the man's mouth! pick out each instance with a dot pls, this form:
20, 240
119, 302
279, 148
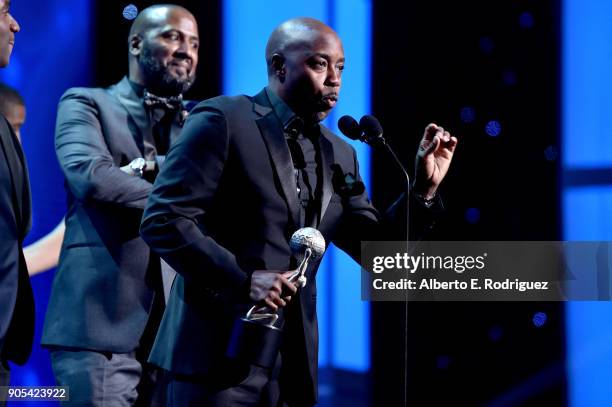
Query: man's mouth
182, 64
330, 100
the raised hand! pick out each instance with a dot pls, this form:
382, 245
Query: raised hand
433, 159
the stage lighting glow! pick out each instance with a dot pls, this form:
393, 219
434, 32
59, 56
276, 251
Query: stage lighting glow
526, 20
130, 12
493, 128
539, 319
472, 215
62, 19
13, 74
468, 114
586, 128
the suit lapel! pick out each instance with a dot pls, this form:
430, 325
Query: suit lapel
26, 201
135, 108
327, 159
19, 175
272, 132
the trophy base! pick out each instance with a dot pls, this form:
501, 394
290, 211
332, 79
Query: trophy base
254, 343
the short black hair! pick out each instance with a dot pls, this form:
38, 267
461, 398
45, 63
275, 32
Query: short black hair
9, 96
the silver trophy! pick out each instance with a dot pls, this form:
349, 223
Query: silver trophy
255, 337
306, 244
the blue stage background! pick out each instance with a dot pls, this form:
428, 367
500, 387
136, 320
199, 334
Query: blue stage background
55, 51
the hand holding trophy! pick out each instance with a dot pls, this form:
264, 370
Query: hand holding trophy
256, 337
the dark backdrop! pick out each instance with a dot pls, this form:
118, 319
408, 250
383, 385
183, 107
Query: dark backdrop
500, 60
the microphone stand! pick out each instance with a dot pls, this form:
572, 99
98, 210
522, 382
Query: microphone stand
401, 166
357, 131
381, 140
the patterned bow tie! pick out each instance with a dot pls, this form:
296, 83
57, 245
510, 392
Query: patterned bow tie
169, 103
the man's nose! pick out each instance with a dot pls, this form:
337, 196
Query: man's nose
333, 76
184, 49
14, 25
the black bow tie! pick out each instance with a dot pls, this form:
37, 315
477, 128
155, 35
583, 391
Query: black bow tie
169, 103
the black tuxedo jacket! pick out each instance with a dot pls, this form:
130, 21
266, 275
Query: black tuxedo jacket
225, 204
106, 279
16, 300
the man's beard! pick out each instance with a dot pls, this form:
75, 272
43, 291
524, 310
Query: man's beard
159, 80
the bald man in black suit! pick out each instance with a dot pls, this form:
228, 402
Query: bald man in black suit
244, 175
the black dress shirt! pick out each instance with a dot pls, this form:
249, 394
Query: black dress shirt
303, 142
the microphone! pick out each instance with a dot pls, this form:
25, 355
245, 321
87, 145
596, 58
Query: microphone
368, 130
372, 130
350, 128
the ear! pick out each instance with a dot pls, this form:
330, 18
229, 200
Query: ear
278, 66
135, 45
